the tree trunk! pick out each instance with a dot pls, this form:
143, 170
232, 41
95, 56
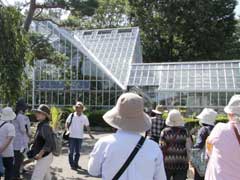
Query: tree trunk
30, 15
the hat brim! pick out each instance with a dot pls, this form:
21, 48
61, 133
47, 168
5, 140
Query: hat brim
39, 111
204, 121
157, 112
140, 123
8, 118
84, 108
227, 110
175, 124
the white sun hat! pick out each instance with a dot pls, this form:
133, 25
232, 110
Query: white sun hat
207, 116
174, 119
233, 105
158, 110
7, 114
128, 114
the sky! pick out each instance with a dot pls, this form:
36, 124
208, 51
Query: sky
237, 10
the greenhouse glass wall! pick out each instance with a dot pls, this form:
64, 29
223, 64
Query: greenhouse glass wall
102, 64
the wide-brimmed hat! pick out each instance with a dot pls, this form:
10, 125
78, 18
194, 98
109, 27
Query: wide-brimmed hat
7, 114
79, 104
174, 119
128, 114
158, 110
44, 109
233, 105
207, 116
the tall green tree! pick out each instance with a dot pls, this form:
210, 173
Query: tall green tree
184, 29
109, 14
13, 50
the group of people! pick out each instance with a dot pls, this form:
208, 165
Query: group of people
168, 152
143, 148
15, 136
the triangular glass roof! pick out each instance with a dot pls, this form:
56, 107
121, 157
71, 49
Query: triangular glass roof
112, 50
116, 49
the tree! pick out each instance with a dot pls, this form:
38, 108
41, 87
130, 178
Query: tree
109, 14
181, 30
13, 51
77, 8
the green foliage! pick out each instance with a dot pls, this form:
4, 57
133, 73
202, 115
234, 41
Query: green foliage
95, 118
40, 48
13, 52
184, 30
55, 112
109, 14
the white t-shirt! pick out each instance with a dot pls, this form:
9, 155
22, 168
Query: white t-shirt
7, 130
76, 129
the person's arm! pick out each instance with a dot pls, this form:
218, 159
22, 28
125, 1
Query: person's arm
201, 138
87, 125
89, 132
214, 137
159, 173
10, 136
68, 121
6, 144
96, 160
49, 141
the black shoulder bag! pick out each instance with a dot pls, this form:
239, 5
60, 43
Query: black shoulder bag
3, 124
66, 133
130, 158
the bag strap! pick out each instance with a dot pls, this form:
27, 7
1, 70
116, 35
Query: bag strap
236, 133
70, 123
130, 158
3, 124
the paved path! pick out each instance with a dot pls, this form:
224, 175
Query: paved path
60, 167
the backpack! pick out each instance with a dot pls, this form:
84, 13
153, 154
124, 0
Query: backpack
57, 146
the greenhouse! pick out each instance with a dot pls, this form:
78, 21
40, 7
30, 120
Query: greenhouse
102, 64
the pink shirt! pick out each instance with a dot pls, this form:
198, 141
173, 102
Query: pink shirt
224, 163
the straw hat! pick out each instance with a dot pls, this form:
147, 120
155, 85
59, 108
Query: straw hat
44, 109
158, 110
233, 105
79, 104
207, 116
7, 114
174, 119
128, 114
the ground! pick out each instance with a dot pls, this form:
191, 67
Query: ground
60, 167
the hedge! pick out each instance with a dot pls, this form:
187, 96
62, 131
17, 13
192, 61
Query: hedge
96, 120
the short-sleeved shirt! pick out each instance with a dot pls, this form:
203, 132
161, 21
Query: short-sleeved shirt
110, 153
7, 130
76, 128
22, 127
224, 163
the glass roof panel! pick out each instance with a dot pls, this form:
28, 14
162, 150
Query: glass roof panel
114, 48
199, 76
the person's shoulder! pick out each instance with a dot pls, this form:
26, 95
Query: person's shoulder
84, 116
105, 141
221, 125
151, 144
9, 126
